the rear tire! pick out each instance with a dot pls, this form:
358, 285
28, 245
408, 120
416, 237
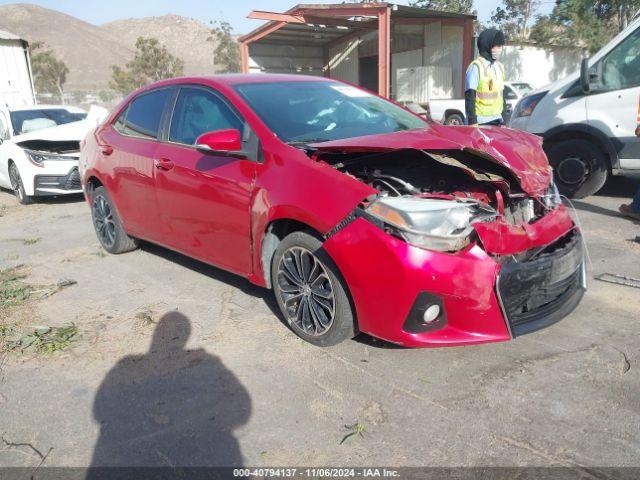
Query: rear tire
17, 186
580, 168
454, 119
108, 226
310, 291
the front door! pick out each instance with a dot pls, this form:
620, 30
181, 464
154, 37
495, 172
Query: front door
614, 105
205, 200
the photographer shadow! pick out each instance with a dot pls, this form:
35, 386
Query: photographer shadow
170, 407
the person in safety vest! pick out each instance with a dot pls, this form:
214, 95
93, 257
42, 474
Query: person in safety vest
484, 85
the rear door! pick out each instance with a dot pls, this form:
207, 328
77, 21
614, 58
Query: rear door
205, 199
129, 153
613, 106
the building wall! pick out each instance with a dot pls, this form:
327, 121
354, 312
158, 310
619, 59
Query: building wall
441, 56
15, 82
270, 58
539, 66
343, 61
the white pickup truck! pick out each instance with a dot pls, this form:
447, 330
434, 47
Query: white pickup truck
451, 112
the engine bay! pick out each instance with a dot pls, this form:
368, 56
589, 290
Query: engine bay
454, 175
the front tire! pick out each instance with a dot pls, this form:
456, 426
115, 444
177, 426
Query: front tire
107, 224
579, 167
17, 186
310, 291
454, 119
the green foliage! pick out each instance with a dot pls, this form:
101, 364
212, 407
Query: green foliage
357, 429
13, 291
152, 62
457, 6
584, 23
49, 73
227, 52
40, 339
106, 96
513, 17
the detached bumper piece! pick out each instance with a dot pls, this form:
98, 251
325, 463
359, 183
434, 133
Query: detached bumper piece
543, 290
57, 184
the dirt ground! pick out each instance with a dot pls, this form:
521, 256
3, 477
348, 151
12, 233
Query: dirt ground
176, 363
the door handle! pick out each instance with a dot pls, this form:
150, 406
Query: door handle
164, 164
106, 149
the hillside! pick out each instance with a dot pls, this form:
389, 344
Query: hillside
90, 50
185, 38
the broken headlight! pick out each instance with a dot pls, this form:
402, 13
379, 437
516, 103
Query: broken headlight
552, 199
39, 158
433, 224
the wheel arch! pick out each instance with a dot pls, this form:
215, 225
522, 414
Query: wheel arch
92, 183
453, 111
586, 132
275, 231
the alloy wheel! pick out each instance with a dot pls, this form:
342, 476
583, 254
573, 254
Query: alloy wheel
104, 221
16, 182
306, 291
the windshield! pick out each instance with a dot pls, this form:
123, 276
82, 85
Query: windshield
522, 88
25, 121
306, 112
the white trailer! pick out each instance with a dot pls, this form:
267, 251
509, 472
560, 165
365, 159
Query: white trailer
16, 81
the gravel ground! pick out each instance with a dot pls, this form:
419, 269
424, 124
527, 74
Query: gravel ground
178, 363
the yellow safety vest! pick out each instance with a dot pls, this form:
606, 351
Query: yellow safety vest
489, 100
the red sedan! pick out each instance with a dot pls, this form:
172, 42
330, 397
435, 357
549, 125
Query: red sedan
360, 215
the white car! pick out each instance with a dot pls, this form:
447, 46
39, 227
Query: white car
452, 111
40, 146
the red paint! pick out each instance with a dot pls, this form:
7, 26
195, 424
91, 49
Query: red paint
385, 274
218, 208
221, 140
502, 238
519, 151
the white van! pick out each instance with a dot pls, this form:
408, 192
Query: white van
589, 119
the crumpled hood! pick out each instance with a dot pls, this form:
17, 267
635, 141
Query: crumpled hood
518, 151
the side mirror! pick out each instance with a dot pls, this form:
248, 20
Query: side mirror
585, 76
226, 143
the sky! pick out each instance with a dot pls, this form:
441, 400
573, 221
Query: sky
233, 11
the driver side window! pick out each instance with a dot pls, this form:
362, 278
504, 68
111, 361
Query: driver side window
619, 69
199, 111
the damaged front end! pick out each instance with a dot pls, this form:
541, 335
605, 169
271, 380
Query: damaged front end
453, 201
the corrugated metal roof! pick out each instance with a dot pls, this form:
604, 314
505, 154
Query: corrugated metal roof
8, 36
328, 34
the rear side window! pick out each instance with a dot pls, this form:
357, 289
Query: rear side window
199, 111
144, 114
119, 124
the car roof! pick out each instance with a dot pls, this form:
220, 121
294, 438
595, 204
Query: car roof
231, 79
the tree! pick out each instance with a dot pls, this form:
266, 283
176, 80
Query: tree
227, 52
456, 6
49, 73
152, 62
514, 17
584, 23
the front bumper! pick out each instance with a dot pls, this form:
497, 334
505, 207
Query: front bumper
480, 294
47, 185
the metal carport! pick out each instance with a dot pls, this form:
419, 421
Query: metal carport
306, 38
